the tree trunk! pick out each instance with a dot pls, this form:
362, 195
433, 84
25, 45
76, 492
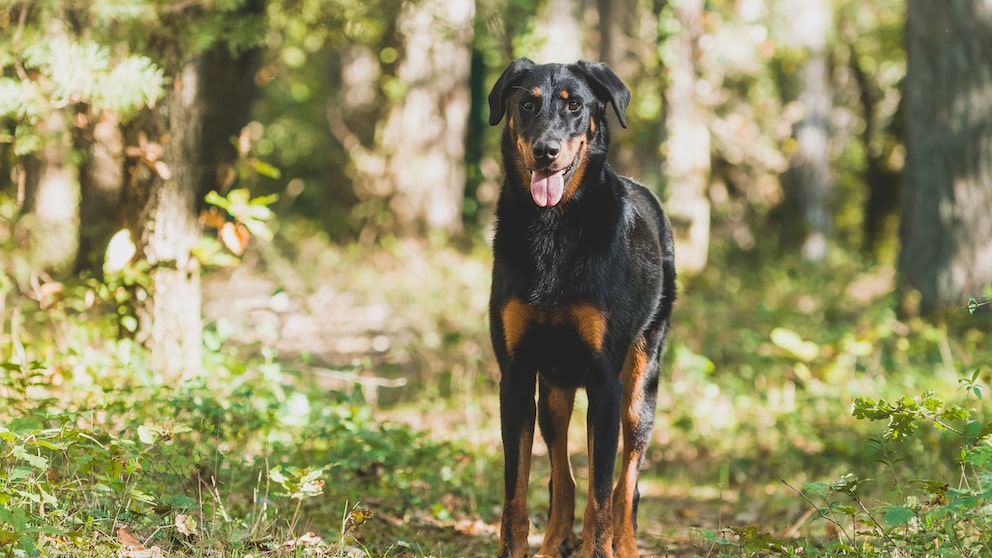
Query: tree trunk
160, 212
617, 19
945, 229
687, 146
101, 179
560, 22
423, 142
618, 42
47, 226
881, 207
811, 164
228, 89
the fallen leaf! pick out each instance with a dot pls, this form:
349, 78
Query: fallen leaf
128, 540
186, 525
307, 539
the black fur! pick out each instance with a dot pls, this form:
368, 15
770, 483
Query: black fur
578, 286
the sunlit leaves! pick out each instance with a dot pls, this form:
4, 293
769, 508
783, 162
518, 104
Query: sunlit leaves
85, 72
251, 215
906, 411
298, 484
61, 72
792, 343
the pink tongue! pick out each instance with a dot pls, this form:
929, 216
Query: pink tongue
547, 189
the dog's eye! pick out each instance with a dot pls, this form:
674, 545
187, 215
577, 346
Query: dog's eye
574, 105
527, 105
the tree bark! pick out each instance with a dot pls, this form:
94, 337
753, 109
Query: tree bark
687, 147
101, 179
423, 141
619, 40
160, 212
560, 22
811, 164
945, 230
881, 206
48, 221
228, 89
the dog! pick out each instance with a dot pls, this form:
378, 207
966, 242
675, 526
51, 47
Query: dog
582, 292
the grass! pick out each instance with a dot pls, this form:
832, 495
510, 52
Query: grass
362, 384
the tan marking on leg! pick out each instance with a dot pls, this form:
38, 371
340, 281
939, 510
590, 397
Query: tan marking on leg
632, 378
515, 517
561, 518
516, 318
597, 519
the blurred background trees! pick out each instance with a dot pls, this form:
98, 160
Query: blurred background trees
767, 125
826, 164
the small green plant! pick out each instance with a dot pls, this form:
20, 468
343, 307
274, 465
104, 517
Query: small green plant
299, 485
937, 517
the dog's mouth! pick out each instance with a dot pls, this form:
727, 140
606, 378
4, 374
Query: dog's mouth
547, 186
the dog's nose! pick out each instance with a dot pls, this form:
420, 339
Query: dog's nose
546, 151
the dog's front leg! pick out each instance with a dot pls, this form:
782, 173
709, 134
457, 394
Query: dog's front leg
603, 426
517, 412
555, 409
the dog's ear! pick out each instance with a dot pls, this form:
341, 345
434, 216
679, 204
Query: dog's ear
608, 87
510, 77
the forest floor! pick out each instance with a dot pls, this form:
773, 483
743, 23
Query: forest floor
384, 335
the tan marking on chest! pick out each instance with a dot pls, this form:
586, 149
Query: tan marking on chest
516, 317
588, 322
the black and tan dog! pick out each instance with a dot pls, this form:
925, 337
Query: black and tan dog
583, 286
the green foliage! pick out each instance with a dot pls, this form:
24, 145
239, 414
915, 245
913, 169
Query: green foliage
46, 69
92, 441
905, 413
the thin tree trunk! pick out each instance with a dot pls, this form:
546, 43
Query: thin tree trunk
423, 142
47, 226
618, 39
101, 178
882, 204
619, 35
946, 231
811, 164
228, 89
687, 147
560, 21
160, 211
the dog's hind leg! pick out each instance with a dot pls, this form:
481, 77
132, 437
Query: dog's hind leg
554, 413
640, 383
602, 429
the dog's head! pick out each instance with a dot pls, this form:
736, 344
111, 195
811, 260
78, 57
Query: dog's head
555, 114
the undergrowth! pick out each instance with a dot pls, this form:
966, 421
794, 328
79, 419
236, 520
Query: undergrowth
100, 457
